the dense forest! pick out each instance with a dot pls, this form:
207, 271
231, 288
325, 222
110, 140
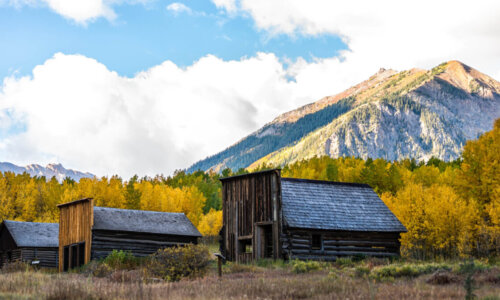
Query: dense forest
451, 209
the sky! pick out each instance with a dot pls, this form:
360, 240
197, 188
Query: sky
149, 86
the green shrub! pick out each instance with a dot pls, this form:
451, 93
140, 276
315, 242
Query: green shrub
121, 260
300, 266
174, 263
344, 262
361, 271
271, 263
406, 270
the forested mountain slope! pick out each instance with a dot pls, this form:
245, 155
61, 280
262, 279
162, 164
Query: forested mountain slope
392, 115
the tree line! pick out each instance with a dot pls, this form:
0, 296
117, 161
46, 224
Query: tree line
451, 209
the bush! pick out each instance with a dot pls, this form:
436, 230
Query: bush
361, 271
408, 270
299, 266
121, 260
344, 262
174, 263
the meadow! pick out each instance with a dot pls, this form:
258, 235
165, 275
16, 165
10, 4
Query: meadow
347, 278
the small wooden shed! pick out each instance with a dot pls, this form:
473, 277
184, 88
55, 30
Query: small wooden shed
88, 232
28, 242
267, 216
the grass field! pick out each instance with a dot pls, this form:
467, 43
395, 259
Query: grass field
368, 279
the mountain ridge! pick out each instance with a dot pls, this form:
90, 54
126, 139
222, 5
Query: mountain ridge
438, 110
49, 171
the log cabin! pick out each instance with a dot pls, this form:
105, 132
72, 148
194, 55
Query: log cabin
268, 216
29, 242
88, 232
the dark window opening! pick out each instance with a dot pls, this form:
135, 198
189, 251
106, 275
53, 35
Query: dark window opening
316, 242
246, 246
66, 259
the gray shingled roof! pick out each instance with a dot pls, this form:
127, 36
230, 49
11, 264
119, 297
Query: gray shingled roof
30, 234
106, 218
335, 206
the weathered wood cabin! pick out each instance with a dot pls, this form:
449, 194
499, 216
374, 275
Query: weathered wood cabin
267, 216
88, 232
29, 242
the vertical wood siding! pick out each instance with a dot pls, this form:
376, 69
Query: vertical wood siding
248, 201
75, 226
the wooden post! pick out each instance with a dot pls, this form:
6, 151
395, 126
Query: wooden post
220, 257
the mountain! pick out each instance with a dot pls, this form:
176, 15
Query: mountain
393, 115
49, 171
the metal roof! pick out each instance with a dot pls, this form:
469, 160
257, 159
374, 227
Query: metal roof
30, 234
328, 205
116, 219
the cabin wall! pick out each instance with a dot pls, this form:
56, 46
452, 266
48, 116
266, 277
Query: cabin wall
10, 256
139, 244
298, 244
75, 226
48, 257
251, 216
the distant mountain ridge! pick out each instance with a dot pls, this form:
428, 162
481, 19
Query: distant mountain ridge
49, 171
393, 115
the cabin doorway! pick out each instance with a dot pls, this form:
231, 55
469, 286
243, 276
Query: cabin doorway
264, 241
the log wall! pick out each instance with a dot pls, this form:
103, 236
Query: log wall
48, 257
249, 201
297, 244
75, 226
139, 244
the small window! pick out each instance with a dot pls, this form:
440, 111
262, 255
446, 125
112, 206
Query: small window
316, 242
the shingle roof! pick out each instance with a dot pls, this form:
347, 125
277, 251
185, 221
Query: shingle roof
335, 206
30, 234
106, 218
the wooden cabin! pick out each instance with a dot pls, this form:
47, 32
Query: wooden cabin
267, 216
29, 242
88, 232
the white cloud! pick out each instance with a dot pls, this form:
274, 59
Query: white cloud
178, 8
228, 5
87, 117
80, 11
390, 33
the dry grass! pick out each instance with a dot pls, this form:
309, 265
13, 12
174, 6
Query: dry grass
245, 283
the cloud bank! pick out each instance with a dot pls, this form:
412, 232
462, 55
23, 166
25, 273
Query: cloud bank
76, 111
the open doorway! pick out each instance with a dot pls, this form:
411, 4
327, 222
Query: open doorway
265, 241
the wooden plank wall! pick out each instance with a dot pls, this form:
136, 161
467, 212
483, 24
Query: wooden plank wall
246, 201
297, 244
75, 225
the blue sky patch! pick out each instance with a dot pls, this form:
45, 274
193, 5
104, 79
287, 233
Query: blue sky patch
145, 36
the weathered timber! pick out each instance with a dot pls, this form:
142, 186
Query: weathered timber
286, 217
89, 232
28, 242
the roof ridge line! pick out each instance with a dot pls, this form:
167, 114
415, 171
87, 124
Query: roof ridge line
364, 185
